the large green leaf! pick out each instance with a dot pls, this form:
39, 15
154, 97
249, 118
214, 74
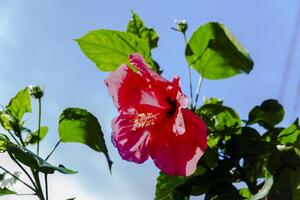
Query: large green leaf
5, 191
137, 27
20, 104
268, 114
31, 160
109, 49
78, 125
216, 54
168, 187
32, 138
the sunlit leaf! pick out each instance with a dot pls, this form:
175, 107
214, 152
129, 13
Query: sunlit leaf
290, 135
216, 54
32, 138
20, 104
79, 125
137, 27
109, 49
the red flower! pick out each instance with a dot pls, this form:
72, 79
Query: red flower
154, 120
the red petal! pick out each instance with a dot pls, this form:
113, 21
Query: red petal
130, 89
178, 154
132, 144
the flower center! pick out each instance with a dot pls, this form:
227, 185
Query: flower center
173, 107
143, 120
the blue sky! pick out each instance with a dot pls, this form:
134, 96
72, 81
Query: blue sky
37, 47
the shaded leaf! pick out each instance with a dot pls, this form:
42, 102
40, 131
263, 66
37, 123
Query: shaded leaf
5, 191
78, 125
167, 187
216, 54
109, 49
223, 191
31, 160
268, 114
32, 138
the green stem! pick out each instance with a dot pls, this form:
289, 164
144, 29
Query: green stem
38, 184
17, 178
200, 81
53, 150
46, 185
15, 139
39, 127
189, 72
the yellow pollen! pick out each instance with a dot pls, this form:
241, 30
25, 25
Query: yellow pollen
143, 120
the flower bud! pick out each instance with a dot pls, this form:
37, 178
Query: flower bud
36, 91
182, 26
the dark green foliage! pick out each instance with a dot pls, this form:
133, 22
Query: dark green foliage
268, 114
239, 153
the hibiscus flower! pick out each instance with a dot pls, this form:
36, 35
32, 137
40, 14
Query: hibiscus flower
154, 120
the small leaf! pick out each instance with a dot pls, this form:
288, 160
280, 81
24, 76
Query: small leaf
3, 142
32, 138
137, 27
109, 49
31, 160
245, 193
78, 125
19, 105
6, 121
5, 191
216, 54
268, 114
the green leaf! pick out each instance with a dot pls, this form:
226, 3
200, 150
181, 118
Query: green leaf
290, 135
6, 121
245, 193
19, 105
168, 187
32, 138
216, 54
109, 49
5, 191
268, 114
78, 125
219, 118
3, 142
31, 160
136, 26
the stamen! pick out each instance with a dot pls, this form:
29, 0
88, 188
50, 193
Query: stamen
143, 120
